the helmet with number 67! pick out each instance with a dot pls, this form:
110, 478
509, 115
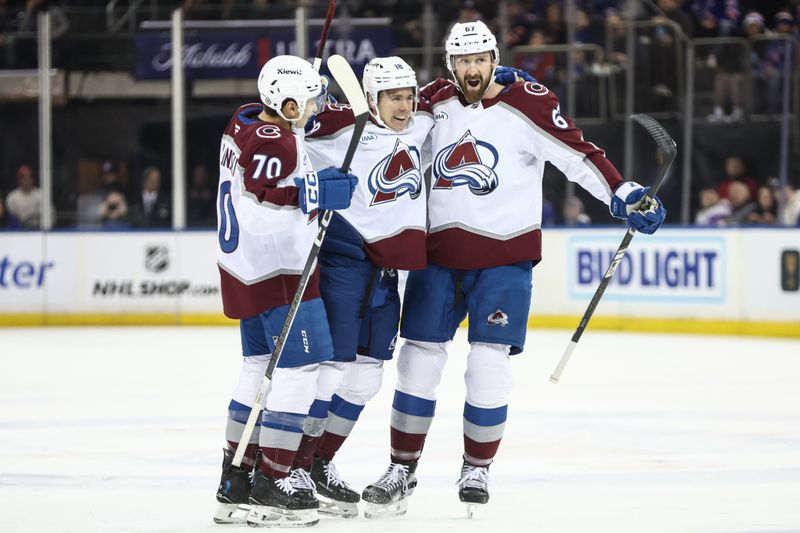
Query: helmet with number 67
384, 73
469, 38
285, 77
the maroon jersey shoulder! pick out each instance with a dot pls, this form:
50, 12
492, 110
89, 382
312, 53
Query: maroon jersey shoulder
243, 115
267, 151
541, 106
332, 119
268, 154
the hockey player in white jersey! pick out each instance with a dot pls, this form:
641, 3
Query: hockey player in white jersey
269, 196
382, 231
490, 143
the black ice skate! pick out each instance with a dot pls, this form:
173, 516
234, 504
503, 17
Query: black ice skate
284, 502
473, 487
233, 493
389, 495
336, 498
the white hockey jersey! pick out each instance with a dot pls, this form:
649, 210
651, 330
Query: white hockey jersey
388, 208
263, 237
485, 204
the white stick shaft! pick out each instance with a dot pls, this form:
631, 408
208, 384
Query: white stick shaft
561, 364
251, 422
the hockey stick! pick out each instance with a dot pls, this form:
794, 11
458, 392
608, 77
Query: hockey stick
668, 151
324, 35
344, 76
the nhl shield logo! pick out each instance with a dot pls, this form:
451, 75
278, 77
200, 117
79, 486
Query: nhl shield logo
497, 318
156, 258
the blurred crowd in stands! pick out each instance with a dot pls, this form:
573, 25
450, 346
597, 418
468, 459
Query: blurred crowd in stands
105, 200
739, 199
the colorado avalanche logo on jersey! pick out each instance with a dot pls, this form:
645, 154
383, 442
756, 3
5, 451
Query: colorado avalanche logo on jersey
467, 162
395, 175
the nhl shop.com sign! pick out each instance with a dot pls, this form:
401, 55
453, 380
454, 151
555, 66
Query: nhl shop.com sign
159, 281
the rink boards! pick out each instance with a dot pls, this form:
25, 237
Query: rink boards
712, 281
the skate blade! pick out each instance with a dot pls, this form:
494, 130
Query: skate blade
333, 508
231, 513
377, 510
263, 516
471, 509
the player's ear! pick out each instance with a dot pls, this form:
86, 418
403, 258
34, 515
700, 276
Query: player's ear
290, 109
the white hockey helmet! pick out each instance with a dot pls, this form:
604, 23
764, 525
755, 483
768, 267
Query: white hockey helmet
284, 77
469, 38
383, 73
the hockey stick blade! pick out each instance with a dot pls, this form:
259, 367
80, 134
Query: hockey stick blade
668, 152
665, 144
343, 73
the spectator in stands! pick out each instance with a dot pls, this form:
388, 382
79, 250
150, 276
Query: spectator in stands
113, 208
615, 31
742, 206
772, 58
4, 223
730, 64
554, 24
468, 12
200, 208
735, 171
665, 49
151, 208
25, 202
714, 211
105, 204
714, 18
791, 207
766, 211
520, 23
754, 29
573, 212
540, 65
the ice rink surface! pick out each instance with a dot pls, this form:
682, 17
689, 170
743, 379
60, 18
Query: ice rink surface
121, 429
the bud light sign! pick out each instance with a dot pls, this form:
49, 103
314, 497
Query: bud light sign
668, 269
